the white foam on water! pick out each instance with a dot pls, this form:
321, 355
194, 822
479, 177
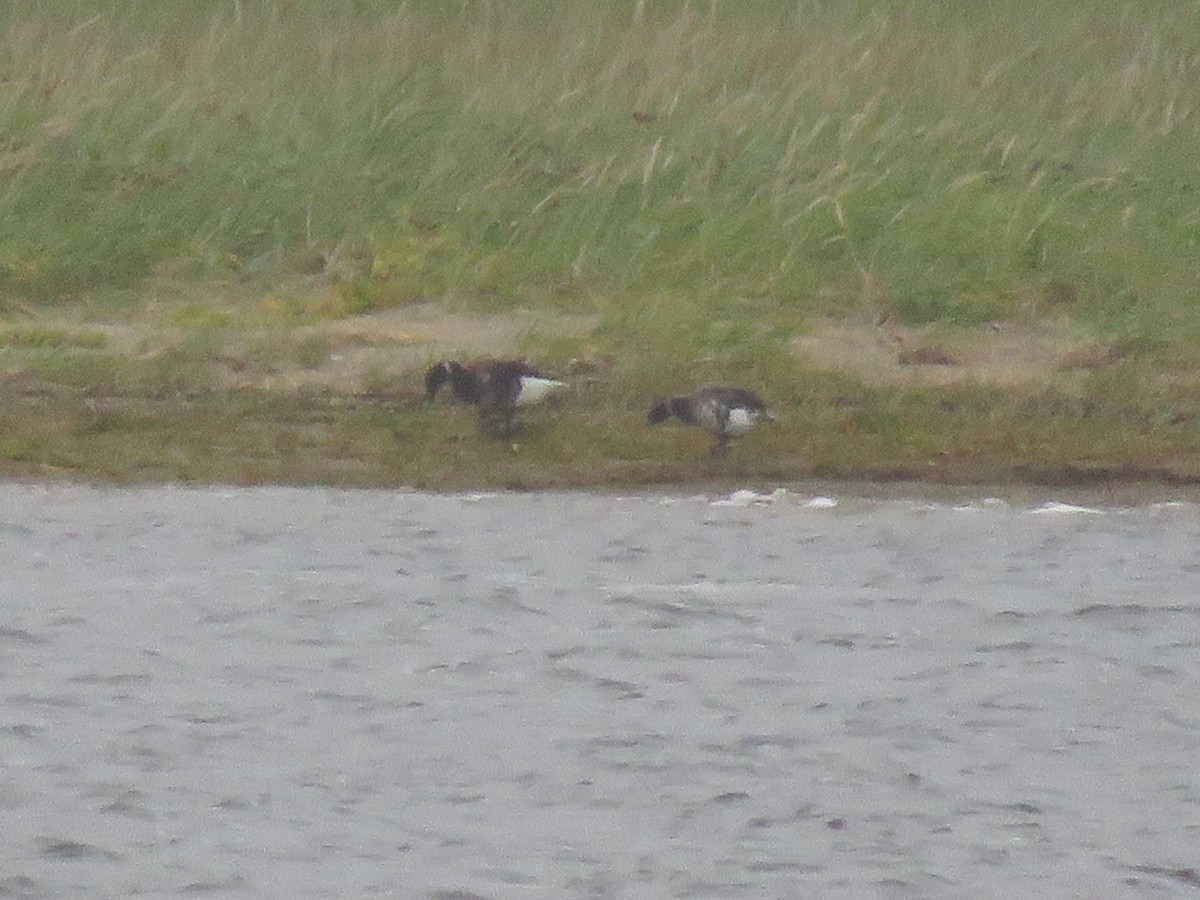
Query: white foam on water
1054, 507
747, 497
819, 503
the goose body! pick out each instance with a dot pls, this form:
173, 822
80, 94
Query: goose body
467, 380
723, 411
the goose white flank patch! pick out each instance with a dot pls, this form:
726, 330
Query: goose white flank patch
723, 411
534, 390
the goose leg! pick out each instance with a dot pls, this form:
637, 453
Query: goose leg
489, 422
496, 422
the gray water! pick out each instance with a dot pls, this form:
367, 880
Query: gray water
315, 693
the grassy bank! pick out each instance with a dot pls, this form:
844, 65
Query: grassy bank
951, 241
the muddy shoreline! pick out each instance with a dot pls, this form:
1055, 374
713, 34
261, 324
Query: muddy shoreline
304, 448
341, 404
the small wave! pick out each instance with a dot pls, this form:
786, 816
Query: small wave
1185, 874
1009, 646
19, 886
56, 848
1131, 609
20, 635
627, 592
1111, 609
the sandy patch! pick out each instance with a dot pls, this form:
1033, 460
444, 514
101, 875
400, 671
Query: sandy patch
1007, 354
358, 354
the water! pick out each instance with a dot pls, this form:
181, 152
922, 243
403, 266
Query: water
314, 693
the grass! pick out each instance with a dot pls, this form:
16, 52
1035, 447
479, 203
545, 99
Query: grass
194, 204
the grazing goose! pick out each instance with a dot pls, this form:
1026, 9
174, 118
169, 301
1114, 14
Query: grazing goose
497, 387
725, 411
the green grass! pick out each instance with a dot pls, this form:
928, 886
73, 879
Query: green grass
706, 179
56, 338
565, 153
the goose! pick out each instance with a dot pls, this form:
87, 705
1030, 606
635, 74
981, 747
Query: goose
496, 387
725, 411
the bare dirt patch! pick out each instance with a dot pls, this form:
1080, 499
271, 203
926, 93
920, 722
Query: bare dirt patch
366, 350
343, 356
1006, 354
